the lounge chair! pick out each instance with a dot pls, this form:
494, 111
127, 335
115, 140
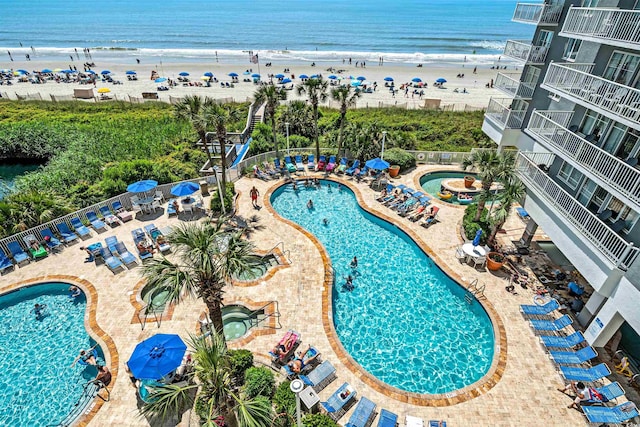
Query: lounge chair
95, 222
618, 414
50, 239
573, 357
354, 166
289, 164
285, 348
277, 166
320, 377
111, 242
112, 262
157, 237
121, 212
539, 310
414, 422
551, 325
5, 262
18, 254
339, 402
588, 375
609, 392
299, 164
342, 167
123, 253
524, 215
332, 164
171, 209
139, 236
437, 423
387, 419
109, 217
363, 415
431, 218
311, 164
322, 163
309, 360
80, 227
67, 235
36, 253
563, 342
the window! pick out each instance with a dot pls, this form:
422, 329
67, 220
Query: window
590, 3
594, 125
611, 142
622, 68
571, 49
531, 75
543, 38
629, 146
569, 175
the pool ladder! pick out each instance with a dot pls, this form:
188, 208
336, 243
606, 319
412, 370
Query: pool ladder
258, 316
146, 311
286, 253
474, 291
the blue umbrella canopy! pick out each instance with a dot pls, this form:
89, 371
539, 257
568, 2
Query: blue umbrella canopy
131, 72
333, 77
157, 356
285, 81
255, 75
68, 71
377, 164
46, 70
105, 72
441, 80
142, 186
183, 74
416, 80
476, 240
303, 76
90, 72
160, 80
356, 82
388, 79
184, 189
23, 71
208, 74
361, 78
313, 76
279, 76
233, 74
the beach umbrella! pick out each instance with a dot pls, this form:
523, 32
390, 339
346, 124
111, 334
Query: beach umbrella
157, 356
131, 72
361, 78
104, 90
233, 74
246, 73
313, 76
476, 240
184, 189
208, 74
356, 82
377, 164
103, 72
303, 76
69, 71
441, 80
416, 80
388, 79
333, 77
90, 72
142, 186
23, 71
279, 76
183, 74
284, 81
160, 79
255, 75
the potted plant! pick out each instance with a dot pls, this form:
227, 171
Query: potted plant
495, 261
394, 170
469, 180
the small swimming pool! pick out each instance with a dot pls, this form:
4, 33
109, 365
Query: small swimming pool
155, 299
432, 182
406, 322
258, 268
37, 385
237, 320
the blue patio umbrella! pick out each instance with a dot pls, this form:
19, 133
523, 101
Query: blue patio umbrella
157, 356
303, 76
388, 79
333, 77
361, 78
255, 75
160, 80
184, 189
23, 71
377, 164
142, 186
285, 81
416, 80
279, 76
441, 80
68, 71
208, 74
46, 70
356, 82
313, 76
233, 74
183, 74
90, 72
104, 72
476, 240
131, 72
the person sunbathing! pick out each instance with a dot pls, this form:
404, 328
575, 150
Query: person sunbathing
282, 349
416, 214
302, 361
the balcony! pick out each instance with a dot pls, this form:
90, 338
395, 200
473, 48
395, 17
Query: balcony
524, 51
500, 112
538, 13
618, 102
615, 27
510, 84
607, 170
608, 243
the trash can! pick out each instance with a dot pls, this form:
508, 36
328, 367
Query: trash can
204, 188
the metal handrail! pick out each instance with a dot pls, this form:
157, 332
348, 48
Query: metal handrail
283, 250
276, 315
148, 309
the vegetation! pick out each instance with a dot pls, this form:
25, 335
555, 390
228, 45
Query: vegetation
284, 400
347, 98
239, 361
398, 156
471, 226
259, 381
316, 91
271, 96
318, 420
216, 205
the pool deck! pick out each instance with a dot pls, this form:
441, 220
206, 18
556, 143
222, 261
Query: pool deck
524, 392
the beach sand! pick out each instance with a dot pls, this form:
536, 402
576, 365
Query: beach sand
478, 95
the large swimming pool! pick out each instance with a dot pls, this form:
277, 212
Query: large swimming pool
37, 385
406, 322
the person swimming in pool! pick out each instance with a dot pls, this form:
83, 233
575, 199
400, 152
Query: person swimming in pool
310, 204
354, 263
74, 292
86, 356
325, 222
349, 284
38, 310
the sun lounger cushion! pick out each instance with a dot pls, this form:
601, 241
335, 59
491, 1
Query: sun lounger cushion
563, 342
534, 310
581, 374
618, 414
362, 414
387, 419
5, 262
18, 254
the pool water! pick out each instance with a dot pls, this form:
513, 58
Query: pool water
236, 320
257, 269
406, 322
430, 183
37, 385
155, 299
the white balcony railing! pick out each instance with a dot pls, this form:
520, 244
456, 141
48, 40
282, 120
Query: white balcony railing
510, 84
617, 27
606, 241
612, 172
589, 90
538, 13
525, 51
499, 110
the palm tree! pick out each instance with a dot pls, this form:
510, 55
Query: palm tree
206, 258
492, 166
512, 192
347, 98
219, 117
192, 108
271, 96
316, 91
300, 118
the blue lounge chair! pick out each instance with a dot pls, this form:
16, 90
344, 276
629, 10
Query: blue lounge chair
157, 237
309, 359
563, 342
138, 236
112, 262
338, 403
437, 423
95, 222
539, 310
124, 254
5, 262
171, 209
50, 240
551, 325
609, 392
277, 166
299, 164
354, 166
581, 374
79, 227
387, 419
289, 164
618, 414
320, 377
109, 217
121, 212
363, 415
111, 242
67, 235
524, 215
573, 357
18, 254
311, 164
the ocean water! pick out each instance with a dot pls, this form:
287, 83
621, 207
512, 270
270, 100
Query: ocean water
402, 31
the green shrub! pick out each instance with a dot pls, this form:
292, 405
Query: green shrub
284, 400
216, 207
318, 420
397, 156
259, 381
239, 361
471, 227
